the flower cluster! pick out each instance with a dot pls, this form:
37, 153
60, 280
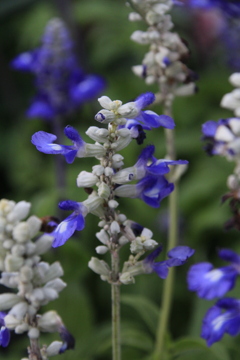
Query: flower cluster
109, 181
223, 138
32, 282
164, 63
210, 283
61, 84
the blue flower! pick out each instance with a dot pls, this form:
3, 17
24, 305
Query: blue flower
177, 256
222, 318
222, 137
44, 143
4, 332
69, 341
210, 283
146, 120
75, 221
61, 84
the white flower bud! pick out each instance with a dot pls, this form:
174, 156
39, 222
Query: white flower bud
18, 250
13, 263
102, 223
53, 348
34, 225
6, 206
55, 270
103, 191
128, 110
229, 101
101, 249
122, 142
224, 134
114, 227
21, 232
113, 204
234, 124
133, 16
125, 175
56, 284
20, 329
235, 79
8, 244
149, 244
105, 116
97, 134
98, 170
126, 191
186, 90
102, 236
49, 322
86, 179
49, 295
33, 333
122, 218
8, 300
99, 266
126, 278
93, 202
19, 212
232, 182
123, 240
117, 161
109, 171
105, 102
11, 322
93, 150
26, 274
43, 244
19, 310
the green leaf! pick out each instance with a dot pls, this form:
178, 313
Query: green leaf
147, 310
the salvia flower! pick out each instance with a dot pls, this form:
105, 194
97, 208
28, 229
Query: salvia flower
222, 137
177, 256
223, 317
4, 332
61, 84
44, 142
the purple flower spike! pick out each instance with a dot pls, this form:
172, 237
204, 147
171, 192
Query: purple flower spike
61, 84
4, 332
222, 318
44, 143
75, 221
178, 256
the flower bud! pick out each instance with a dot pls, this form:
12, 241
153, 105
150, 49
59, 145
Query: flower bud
103, 191
33, 333
99, 266
101, 249
102, 236
86, 179
53, 348
8, 300
19, 212
34, 225
21, 232
97, 134
115, 228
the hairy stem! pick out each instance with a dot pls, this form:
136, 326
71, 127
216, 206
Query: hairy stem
34, 351
115, 287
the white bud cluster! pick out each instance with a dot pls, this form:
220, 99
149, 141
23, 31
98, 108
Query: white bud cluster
162, 64
36, 282
231, 100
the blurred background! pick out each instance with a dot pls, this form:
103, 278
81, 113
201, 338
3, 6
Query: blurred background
101, 33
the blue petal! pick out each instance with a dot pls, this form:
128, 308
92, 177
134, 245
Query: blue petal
4, 336
44, 143
144, 100
73, 135
68, 205
181, 252
210, 283
87, 89
68, 339
229, 255
161, 268
209, 128
66, 229
41, 109
150, 118
210, 333
24, 61
154, 254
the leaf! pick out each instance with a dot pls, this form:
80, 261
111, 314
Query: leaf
147, 310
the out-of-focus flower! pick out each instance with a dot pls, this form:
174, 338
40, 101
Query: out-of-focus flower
61, 84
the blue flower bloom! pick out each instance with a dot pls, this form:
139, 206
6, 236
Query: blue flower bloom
222, 137
210, 283
4, 332
61, 84
177, 256
222, 318
44, 143
75, 221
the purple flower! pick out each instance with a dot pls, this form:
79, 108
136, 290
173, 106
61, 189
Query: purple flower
61, 84
222, 318
177, 256
222, 137
44, 143
69, 341
75, 221
4, 332
210, 283
146, 120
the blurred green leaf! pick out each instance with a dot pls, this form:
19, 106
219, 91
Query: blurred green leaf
145, 308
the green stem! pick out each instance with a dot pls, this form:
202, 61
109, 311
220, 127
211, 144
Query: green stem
172, 242
115, 290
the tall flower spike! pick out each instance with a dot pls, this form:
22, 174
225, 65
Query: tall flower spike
44, 143
61, 84
210, 283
